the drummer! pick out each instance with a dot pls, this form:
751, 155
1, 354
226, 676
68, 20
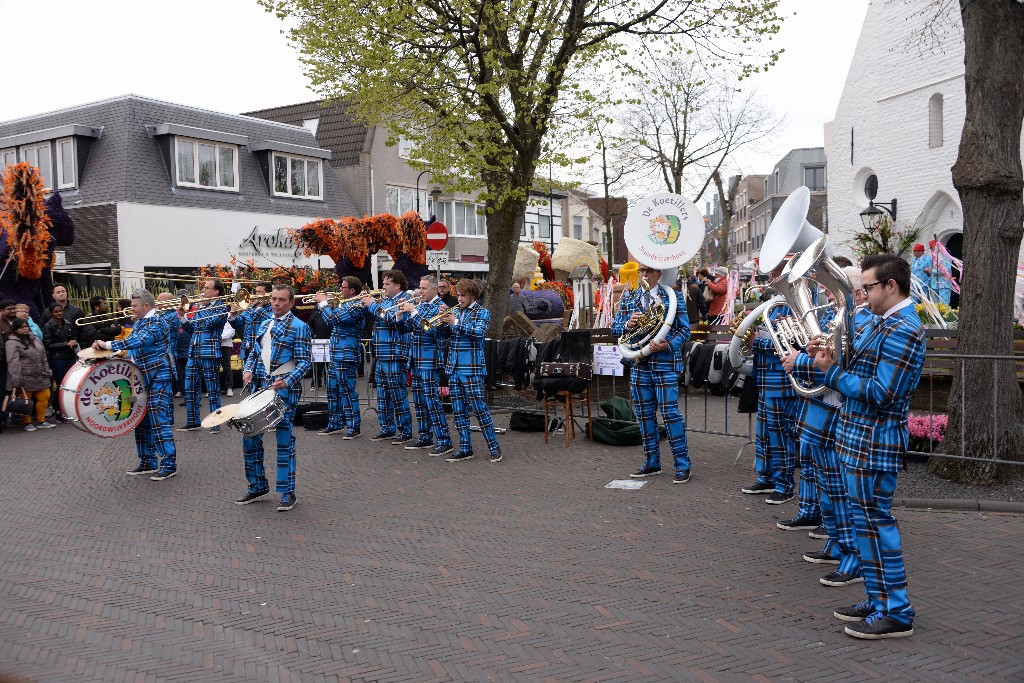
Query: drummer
279, 359
147, 348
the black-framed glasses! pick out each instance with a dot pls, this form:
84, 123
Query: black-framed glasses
868, 285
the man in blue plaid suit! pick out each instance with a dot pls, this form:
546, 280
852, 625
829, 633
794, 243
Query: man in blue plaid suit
654, 381
248, 321
346, 323
280, 358
880, 377
427, 351
777, 410
204, 354
390, 347
465, 328
818, 425
147, 348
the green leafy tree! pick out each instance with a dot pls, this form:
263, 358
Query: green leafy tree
478, 85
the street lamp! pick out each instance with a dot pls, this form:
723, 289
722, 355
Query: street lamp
435, 194
873, 215
418, 191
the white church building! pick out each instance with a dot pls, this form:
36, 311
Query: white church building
899, 119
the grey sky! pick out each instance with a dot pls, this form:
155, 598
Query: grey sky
228, 55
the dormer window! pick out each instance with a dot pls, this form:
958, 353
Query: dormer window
206, 164
298, 177
68, 145
38, 155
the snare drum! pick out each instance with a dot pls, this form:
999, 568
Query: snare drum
259, 413
104, 397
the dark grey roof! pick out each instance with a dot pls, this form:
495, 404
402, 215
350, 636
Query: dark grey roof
127, 164
336, 130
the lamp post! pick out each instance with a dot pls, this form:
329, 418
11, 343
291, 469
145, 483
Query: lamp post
873, 215
418, 191
551, 210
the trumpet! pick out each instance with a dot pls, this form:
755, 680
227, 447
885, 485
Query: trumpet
429, 323
381, 312
244, 300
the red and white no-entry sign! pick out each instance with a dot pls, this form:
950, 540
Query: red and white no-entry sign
437, 235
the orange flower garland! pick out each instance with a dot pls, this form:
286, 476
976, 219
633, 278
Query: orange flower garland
359, 238
23, 216
415, 233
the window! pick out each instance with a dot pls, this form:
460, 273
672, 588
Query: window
206, 165
577, 227
297, 177
935, 120
814, 177
405, 148
8, 157
543, 227
462, 218
401, 200
39, 156
66, 163
311, 125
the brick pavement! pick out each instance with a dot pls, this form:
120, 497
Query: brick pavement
395, 566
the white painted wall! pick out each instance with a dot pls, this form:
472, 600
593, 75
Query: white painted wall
173, 237
885, 104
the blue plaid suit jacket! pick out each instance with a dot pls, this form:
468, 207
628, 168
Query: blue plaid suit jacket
249, 320
427, 347
346, 325
173, 326
883, 373
206, 326
803, 365
465, 354
390, 344
671, 359
290, 341
147, 348
771, 378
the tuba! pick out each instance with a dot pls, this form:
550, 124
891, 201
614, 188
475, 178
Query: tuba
663, 232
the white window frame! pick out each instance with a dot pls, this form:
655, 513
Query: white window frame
288, 170
62, 182
4, 152
445, 212
178, 139
48, 184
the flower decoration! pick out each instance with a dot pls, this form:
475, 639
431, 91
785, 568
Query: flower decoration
414, 232
322, 236
544, 260
926, 430
23, 216
604, 269
563, 290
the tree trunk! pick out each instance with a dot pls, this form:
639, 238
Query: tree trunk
988, 177
503, 227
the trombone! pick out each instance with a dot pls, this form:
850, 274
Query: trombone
332, 297
240, 301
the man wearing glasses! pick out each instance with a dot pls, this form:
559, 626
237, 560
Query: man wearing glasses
346, 323
204, 354
881, 376
654, 383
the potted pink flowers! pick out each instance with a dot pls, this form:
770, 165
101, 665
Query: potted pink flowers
926, 431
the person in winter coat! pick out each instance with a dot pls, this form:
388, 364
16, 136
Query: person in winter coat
696, 306
28, 371
60, 338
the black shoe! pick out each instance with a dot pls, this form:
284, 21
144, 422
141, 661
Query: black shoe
382, 436
251, 497
778, 498
60, 419
141, 469
161, 475
442, 450
840, 579
681, 478
877, 627
798, 522
459, 457
326, 431
351, 434
859, 612
190, 428
646, 472
401, 440
758, 487
288, 501
215, 430
419, 443
496, 456
820, 557
819, 532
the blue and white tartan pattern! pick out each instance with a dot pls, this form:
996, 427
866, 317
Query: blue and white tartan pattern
290, 341
154, 438
772, 380
431, 422
346, 325
252, 450
207, 371
762, 452
651, 391
342, 397
807, 492
173, 331
465, 353
834, 501
467, 392
390, 343
878, 538
147, 348
780, 414
877, 385
393, 414
671, 359
206, 326
427, 347
250, 320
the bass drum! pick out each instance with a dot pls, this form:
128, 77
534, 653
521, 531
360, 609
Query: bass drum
105, 398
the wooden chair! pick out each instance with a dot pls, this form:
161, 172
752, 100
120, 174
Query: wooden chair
566, 400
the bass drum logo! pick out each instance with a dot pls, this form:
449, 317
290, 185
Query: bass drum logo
665, 230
